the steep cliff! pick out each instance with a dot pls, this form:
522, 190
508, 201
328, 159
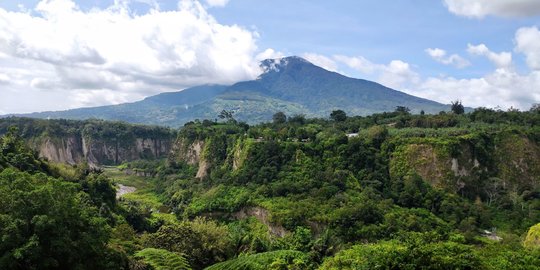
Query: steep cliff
505, 160
95, 142
214, 150
76, 149
190, 152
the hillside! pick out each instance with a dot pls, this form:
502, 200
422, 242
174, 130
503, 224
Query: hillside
292, 85
390, 190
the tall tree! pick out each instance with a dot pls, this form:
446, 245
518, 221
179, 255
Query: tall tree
279, 118
227, 115
338, 115
403, 109
457, 107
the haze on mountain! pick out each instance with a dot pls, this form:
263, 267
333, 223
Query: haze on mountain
291, 85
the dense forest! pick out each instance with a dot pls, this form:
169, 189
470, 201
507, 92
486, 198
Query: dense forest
387, 191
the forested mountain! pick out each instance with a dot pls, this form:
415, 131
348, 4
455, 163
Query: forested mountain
391, 190
292, 85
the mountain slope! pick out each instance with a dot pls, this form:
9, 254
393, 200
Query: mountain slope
160, 109
292, 85
321, 91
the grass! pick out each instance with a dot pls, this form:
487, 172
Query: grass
120, 177
145, 193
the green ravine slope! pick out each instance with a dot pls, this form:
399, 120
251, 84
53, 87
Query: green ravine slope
292, 85
385, 191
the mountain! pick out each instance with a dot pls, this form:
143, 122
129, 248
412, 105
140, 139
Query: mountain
162, 109
291, 84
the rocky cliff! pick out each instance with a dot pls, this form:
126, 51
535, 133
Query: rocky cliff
93, 141
208, 152
76, 149
503, 161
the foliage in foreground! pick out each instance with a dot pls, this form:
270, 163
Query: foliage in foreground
533, 237
161, 259
47, 223
280, 259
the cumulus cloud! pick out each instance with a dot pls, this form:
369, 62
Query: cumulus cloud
269, 54
321, 60
501, 60
112, 55
504, 8
441, 56
528, 42
501, 88
217, 3
4, 79
504, 87
358, 63
396, 74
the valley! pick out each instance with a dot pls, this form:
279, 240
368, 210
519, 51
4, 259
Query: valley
307, 193
269, 135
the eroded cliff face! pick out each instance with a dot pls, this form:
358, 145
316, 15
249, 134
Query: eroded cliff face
191, 152
186, 151
76, 149
518, 162
66, 150
202, 153
513, 161
263, 216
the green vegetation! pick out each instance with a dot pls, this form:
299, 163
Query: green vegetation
389, 191
414, 252
92, 129
281, 259
161, 259
47, 222
533, 237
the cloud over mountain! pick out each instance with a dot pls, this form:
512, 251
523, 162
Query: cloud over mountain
112, 55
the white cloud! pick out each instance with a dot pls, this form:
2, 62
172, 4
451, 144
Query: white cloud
504, 88
64, 50
217, 3
396, 74
321, 60
359, 63
94, 97
440, 56
528, 42
4, 79
504, 8
436, 53
501, 60
269, 54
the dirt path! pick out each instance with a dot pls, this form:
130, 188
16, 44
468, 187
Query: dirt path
122, 190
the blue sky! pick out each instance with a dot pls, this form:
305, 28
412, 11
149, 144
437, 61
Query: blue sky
61, 54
